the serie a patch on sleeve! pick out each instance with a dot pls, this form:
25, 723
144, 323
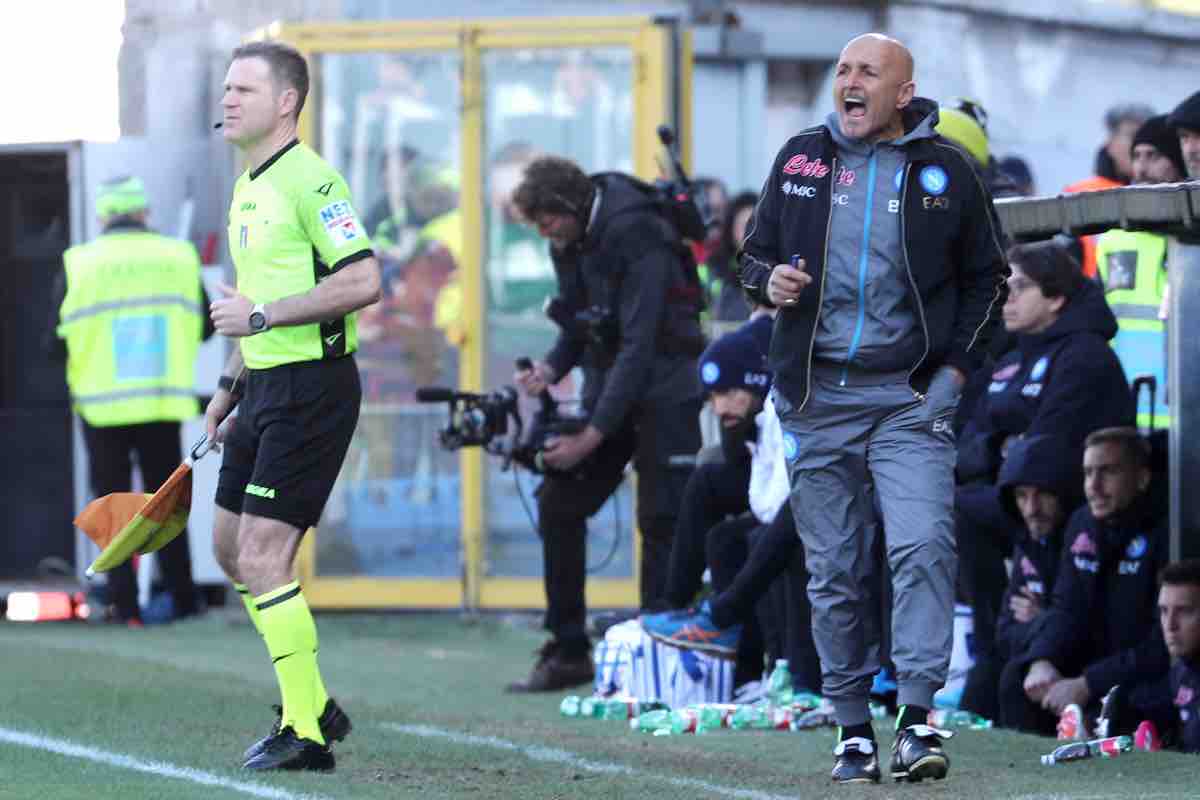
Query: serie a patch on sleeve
341, 223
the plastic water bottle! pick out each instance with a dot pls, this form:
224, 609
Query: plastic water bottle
779, 685
569, 706
1109, 747
806, 701
590, 707
710, 717
956, 718
652, 721
780, 717
816, 718
750, 716
684, 720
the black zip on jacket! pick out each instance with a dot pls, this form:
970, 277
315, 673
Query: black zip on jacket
952, 252
1104, 614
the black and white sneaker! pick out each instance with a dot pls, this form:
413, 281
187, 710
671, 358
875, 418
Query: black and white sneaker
855, 760
917, 753
286, 750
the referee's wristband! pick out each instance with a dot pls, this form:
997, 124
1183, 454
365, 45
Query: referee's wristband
228, 384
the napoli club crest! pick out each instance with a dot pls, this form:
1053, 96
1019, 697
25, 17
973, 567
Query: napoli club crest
790, 446
934, 180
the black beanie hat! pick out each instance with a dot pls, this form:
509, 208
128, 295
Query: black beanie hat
1155, 131
738, 360
1186, 114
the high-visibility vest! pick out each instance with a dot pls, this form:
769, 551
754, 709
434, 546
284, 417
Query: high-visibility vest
1131, 265
132, 320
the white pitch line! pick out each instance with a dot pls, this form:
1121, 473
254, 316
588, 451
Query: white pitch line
160, 768
555, 756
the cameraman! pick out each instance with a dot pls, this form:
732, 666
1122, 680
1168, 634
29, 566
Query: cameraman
629, 303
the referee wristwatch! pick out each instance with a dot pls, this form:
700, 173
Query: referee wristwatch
258, 319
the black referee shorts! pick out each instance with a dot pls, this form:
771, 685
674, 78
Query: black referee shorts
284, 449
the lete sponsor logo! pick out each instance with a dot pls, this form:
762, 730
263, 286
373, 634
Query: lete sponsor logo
801, 165
1083, 545
1005, 373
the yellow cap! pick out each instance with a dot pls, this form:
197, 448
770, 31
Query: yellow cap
121, 196
960, 128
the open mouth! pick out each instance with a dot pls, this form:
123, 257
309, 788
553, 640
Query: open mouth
856, 107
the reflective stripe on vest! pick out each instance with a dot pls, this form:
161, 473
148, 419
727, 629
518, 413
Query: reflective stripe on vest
132, 321
1134, 311
137, 302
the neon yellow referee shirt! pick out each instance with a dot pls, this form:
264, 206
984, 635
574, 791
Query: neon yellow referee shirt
291, 225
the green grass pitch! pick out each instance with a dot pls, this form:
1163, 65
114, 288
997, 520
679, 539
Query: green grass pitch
92, 712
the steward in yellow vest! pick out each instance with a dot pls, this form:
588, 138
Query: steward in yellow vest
1131, 266
131, 316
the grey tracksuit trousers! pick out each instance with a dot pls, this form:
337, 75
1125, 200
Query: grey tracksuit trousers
857, 430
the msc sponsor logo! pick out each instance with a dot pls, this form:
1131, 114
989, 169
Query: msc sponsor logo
799, 189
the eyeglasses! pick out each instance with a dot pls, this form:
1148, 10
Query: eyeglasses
1017, 284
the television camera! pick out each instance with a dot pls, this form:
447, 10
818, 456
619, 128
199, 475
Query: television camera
484, 420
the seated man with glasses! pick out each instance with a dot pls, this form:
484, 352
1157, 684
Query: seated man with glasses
1062, 379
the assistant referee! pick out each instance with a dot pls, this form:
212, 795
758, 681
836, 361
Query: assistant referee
304, 266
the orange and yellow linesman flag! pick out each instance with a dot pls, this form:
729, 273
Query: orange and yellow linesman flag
124, 523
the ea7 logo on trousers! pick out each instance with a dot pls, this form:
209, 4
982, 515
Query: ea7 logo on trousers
942, 425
